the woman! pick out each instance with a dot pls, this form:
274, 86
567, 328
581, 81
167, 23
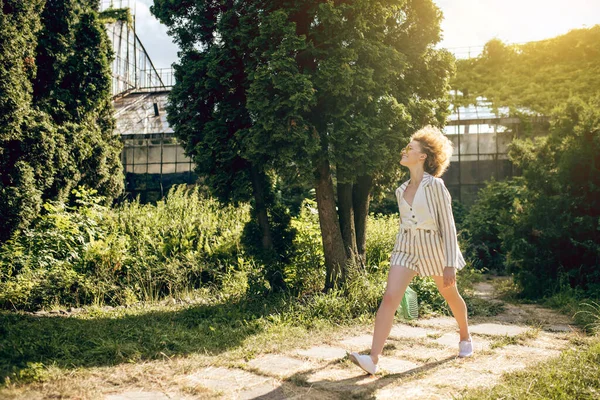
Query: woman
426, 243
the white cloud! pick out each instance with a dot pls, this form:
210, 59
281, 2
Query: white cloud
153, 35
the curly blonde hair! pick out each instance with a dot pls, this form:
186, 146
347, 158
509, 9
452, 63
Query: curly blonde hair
437, 147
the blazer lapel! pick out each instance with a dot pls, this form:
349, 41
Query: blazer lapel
424, 189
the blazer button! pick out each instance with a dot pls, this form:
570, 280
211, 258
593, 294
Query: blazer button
413, 216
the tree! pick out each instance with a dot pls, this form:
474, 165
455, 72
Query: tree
537, 75
341, 87
56, 123
328, 90
554, 238
72, 85
26, 136
207, 110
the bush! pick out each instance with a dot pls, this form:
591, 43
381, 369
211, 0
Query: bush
490, 216
544, 227
90, 254
305, 273
381, 235
555, 236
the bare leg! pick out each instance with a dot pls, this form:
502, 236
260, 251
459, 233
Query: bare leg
398, 280
457, 305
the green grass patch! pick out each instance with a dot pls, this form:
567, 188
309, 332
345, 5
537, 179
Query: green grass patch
520, 339
572, 375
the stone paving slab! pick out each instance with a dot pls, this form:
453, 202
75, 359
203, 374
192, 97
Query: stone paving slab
529, 355
279, 365
484, 290
551, 341
410, 392
324, 353
422, 354
498, 329
357, 343
451, 340
395, 365
441, 383
341, 380
233, 381
141, 395
401, 331
561, 328
452, 378
495, 364
444, 323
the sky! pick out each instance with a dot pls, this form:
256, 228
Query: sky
467, 24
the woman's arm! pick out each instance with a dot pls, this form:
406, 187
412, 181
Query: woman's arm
446, 221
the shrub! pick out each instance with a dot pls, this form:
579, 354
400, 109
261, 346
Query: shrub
487, 219
555, 235
91, 254
306, 271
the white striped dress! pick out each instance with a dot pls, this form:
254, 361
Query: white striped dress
419, 243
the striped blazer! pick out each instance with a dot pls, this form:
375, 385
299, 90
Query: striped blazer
439, 206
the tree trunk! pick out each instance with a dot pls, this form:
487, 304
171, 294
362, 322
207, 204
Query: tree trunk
346, 216
361, 196
258, 190
333, 245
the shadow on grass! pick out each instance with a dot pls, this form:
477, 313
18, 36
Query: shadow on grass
127, 336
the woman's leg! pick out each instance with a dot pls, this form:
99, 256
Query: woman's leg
457, 305
398, 280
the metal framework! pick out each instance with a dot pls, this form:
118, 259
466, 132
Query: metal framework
132, 67
153, 160
481, 137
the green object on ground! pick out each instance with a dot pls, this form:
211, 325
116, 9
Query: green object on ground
409, 306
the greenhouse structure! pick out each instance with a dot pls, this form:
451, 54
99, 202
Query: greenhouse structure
153, 160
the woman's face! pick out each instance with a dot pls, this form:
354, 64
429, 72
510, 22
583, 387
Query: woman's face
412, 155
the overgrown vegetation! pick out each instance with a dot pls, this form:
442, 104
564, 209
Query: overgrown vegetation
544, 227
537, 76
91, 254
186, 248
573, 375
56, 123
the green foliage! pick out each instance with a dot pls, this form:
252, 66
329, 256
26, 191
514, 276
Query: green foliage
537, 75
381, 235
111, 15
545, 226
73, 87
487, 220
88, 254
300, 88
573, 375
56, 124
306, 270
274, 259
347, 88
557, 234
22, 179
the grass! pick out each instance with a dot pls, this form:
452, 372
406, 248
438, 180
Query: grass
34, 347
520, 339
572, 375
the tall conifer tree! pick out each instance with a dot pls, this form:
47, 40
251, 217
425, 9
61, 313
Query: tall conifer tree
331, 90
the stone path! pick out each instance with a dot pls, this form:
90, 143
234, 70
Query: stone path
419, 361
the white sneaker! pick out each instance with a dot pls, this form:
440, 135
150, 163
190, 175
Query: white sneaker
364, 361
465, 348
